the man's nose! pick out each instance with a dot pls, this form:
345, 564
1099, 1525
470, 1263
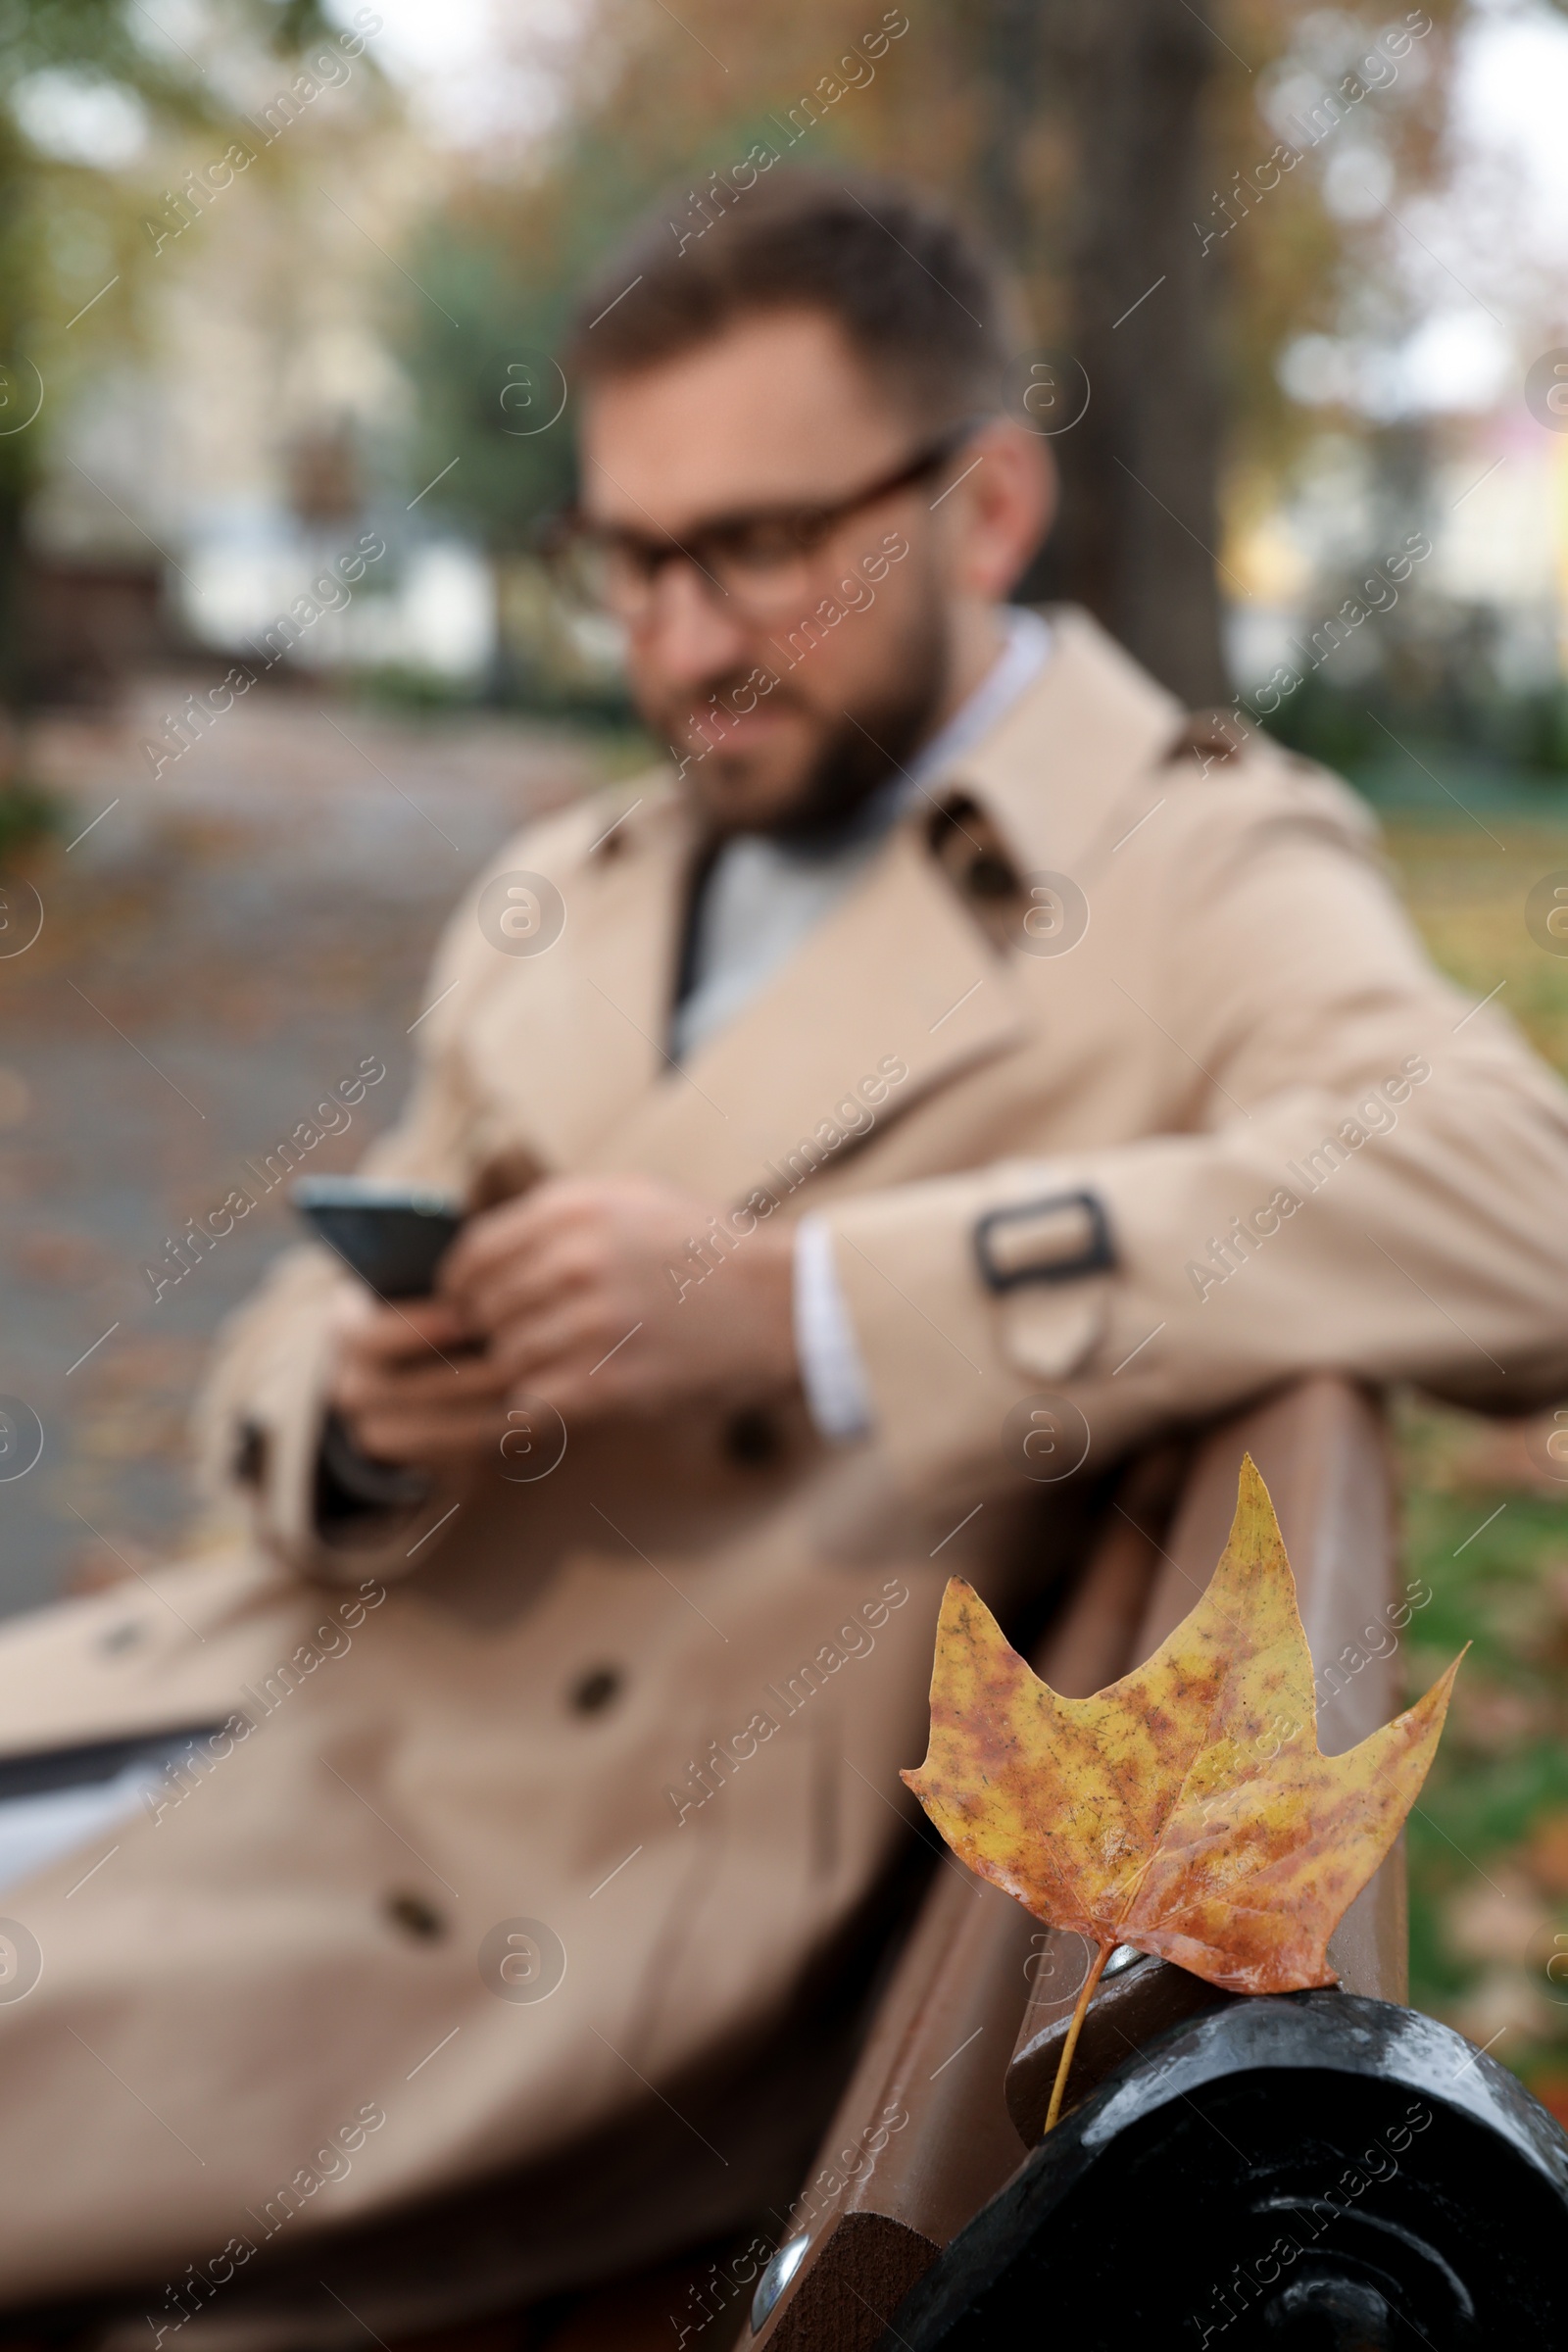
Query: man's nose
693, 632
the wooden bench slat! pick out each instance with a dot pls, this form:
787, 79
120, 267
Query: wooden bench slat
1323, 1453
940, 2050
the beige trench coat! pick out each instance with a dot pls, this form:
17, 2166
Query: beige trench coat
653, 1702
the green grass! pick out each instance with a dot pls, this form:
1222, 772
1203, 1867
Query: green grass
28, 814
1488, 1845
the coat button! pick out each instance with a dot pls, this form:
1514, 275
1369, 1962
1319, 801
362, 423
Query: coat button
249, 1459
752, 1437
596, 1690
989, 876
416, 1917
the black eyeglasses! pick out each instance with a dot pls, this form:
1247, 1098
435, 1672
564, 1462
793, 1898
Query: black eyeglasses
763, 561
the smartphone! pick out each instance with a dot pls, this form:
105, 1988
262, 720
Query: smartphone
394, 1235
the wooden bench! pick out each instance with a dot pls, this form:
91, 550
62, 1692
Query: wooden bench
967, 2036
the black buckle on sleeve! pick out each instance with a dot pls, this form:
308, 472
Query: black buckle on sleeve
1097, 1256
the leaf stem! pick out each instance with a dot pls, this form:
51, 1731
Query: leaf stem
1085, 1996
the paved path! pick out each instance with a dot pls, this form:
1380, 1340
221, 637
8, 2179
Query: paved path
222, 945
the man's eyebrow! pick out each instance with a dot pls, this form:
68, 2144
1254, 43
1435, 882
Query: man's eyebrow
725, 519
658, 529
729, 518
668, 537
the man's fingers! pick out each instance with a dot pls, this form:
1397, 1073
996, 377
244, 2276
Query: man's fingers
419, 1328
429, 1385
419, 1438
426, 1331
524, 1289
590, 1210
488, 1240
578, 1336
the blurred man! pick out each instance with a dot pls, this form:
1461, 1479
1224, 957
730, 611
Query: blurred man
950, 1070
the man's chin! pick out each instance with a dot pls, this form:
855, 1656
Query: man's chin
790, 769
744, 793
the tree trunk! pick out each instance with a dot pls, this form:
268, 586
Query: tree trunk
1009, 39
1139, 527
1138, 537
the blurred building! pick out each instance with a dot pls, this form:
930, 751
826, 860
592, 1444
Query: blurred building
202, 490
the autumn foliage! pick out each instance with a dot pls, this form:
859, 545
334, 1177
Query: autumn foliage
1186, 1810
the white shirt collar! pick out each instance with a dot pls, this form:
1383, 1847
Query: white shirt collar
763, 897
1013, 672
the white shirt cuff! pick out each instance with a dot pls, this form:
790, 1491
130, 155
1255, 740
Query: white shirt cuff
837, 1394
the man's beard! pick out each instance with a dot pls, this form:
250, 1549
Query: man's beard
861, 749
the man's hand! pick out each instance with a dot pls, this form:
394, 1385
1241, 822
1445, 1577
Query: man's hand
410, 1387
587, 1292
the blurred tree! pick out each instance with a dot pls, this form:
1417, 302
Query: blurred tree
506, 258
93, 67
1137, 538
1187, 250
1119, 156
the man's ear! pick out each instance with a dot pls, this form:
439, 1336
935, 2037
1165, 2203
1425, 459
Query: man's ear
1002, 509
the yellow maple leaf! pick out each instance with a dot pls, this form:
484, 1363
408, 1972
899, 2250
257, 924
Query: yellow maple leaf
1186, 1810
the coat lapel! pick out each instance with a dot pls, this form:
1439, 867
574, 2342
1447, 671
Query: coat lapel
898, 974
578, 1036
1060, 770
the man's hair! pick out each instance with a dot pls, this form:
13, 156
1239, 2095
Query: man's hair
923, 306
